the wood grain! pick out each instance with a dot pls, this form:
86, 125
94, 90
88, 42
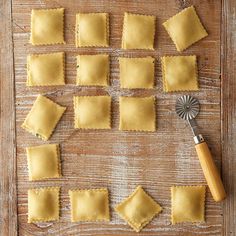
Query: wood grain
8, 200
114, 159
228, 115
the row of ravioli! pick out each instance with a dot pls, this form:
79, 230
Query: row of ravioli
138, 209
92, 29
179, 72
92, 112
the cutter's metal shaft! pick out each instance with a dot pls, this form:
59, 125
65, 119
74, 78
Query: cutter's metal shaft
198, 138
194, 127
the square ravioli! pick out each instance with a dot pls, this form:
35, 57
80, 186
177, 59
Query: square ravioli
188, 204
185, 28
138, 209
93, 70
44, 161
47, 26
89, 205
138, 31
43, 117
137, 113
179, 73
92, 112
43, 204
46, 69
92, 30
136, 72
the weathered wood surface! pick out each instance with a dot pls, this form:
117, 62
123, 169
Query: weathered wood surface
8, 200
114, 159
228, 113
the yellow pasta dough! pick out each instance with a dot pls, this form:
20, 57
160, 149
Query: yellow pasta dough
136, 72
92, 112
45, 69
89, 205
43, 161
43, 117
179, 73
138, 31
188, 204
47, 26
92, 30
43, 204
137, 113
93, 70
185, 28
138, 209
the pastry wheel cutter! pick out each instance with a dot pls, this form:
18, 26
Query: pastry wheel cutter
187, 108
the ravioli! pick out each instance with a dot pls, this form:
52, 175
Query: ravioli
89, 205
188, 204
46, 69
137, 113
137, 73
179, 73
138, 31
44, 161
92, 112
138, 209
43, 117
43, 204
93, 70
185, 28
47, 26
92, 30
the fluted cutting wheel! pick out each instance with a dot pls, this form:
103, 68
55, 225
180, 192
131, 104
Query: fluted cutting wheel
187, 107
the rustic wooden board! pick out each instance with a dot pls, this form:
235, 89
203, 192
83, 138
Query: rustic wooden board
8, 204
228, 114
114, 159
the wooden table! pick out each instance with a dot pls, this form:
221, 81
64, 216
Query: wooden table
114, 159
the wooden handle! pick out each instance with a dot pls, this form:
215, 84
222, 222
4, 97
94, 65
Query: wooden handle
210, 171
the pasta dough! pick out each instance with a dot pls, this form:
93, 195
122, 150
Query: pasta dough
138, 209
137, 113
188, 203
89, 205
45, 69
93, 70
43, 117
185, 28
136, 72
92, 30
92, 112
43, 204
138, 31
179, 73
47, 26
43, 161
